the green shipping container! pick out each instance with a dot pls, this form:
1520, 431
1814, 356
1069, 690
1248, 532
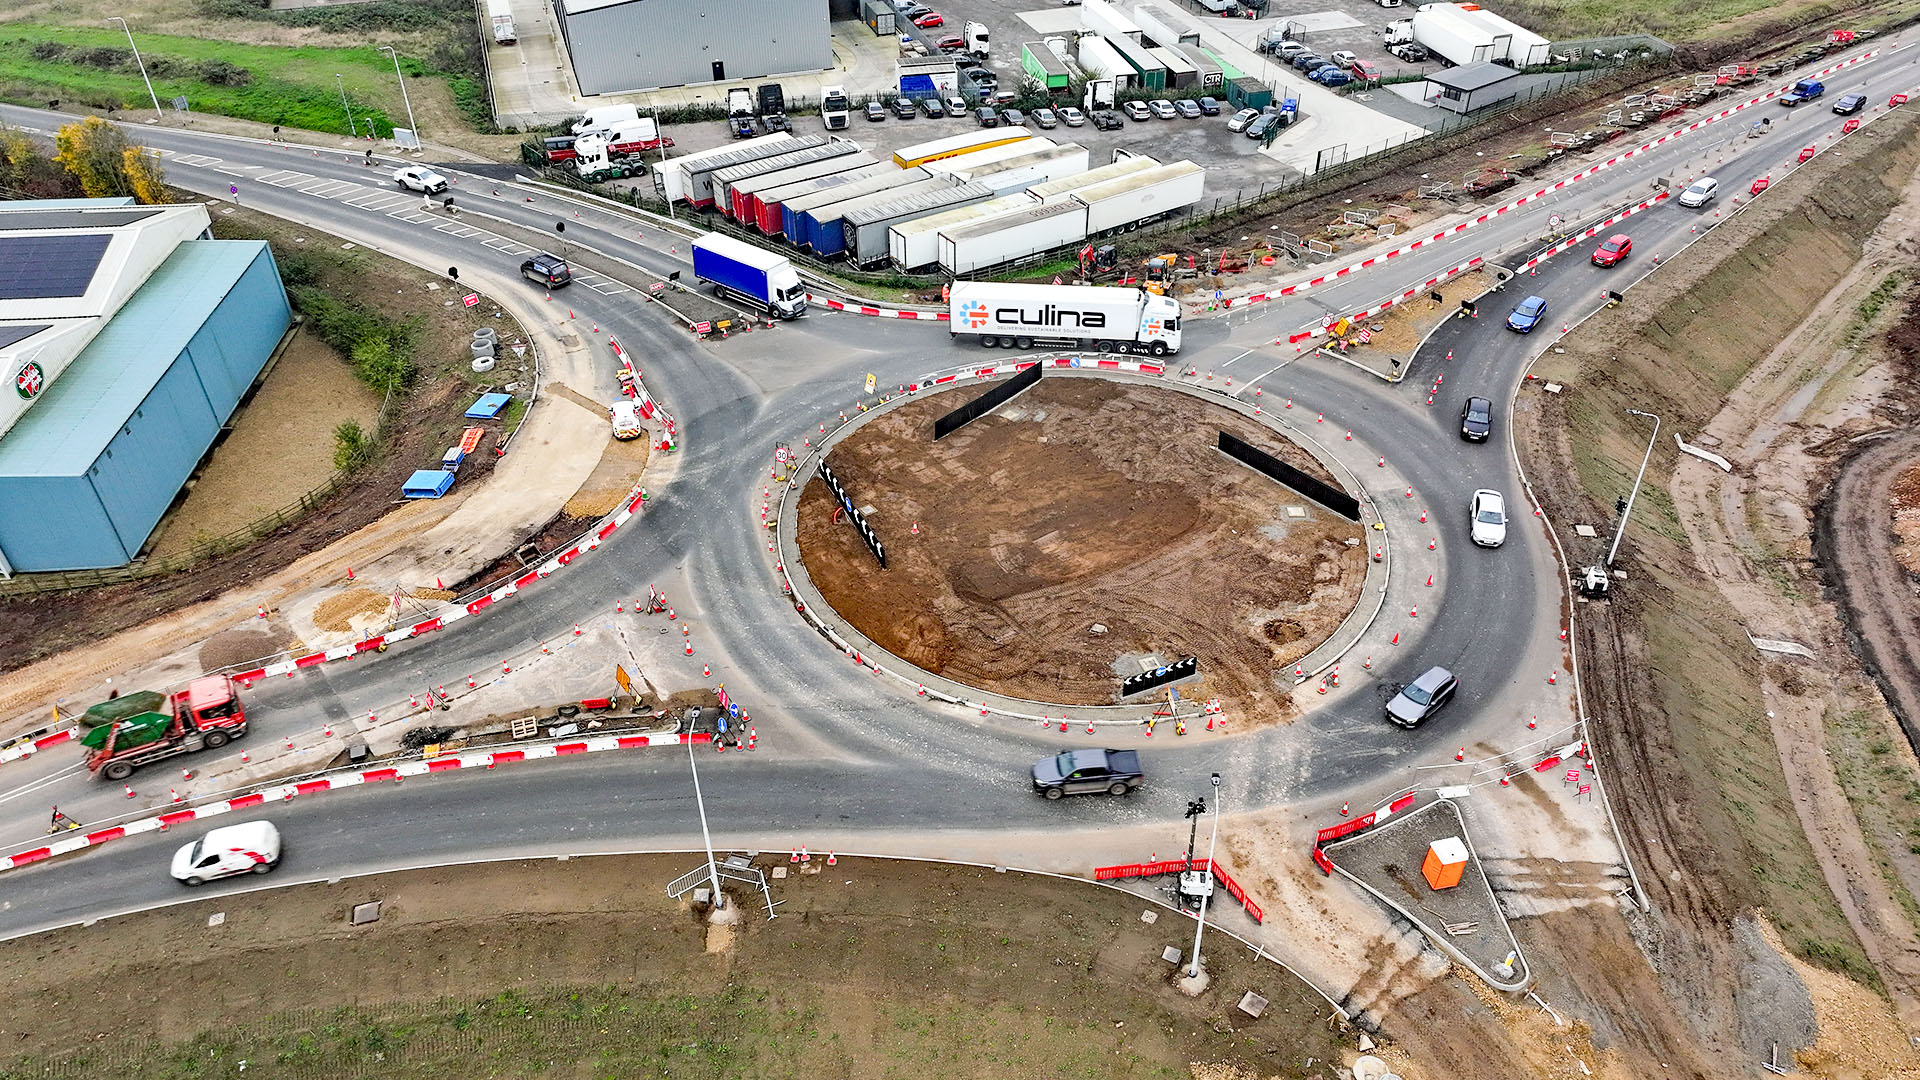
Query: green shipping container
135, 731
1043, 67
120, 708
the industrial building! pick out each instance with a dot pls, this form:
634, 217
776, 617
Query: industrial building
622, 45
127, 338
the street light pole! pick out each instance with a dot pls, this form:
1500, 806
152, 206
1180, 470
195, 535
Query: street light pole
341, 82
662, 136
713, 871
1628, 512
1200, 924
403, 90
142, 65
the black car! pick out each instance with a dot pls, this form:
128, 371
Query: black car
549, 270
1422, 697
876, 112
1012, 117
903, 108
1088, 772
1209, 107
1850, 104
1108, 120
1476, 419
986, 116
930, 108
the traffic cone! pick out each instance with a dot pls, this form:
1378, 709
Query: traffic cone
1423, 517
413, 701
1209, 721
1533, 722
689, 648
263, 611
1289, 401
129, 788
1553, 678
569, 313
544, 649
706, 672
1409, 491
916, 529
1460, 754
830, 859
752, 737
349, 573
923, 690
1343, 809
1320, 418
1396, 638
1563, 633
327, 732
1415, 613
1429, 581
619, 606
1089, 727
804, 857
576, 629
795, 857
469, 682
1367, 664
504, 669
1349, 435
1383, 462
1180, 726
672, 615
1150, 727
1433, 543
1503, 780
176, 794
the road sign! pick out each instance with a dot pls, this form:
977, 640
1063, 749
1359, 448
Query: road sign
625, 680
870, 382
703, 328
470, 299
656, 286
1185, 668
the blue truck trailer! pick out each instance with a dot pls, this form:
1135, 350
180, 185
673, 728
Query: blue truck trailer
750, 275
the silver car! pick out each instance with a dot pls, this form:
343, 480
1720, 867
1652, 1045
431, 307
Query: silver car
1239, 121
1489, 516
1163, 108
1071, 116
1700, 192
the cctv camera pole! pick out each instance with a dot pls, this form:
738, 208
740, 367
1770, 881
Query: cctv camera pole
1195, 807
1200, 924
713, 872
660, 133
1628, 512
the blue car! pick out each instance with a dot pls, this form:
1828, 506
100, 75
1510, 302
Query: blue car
1331, 76
1527, 315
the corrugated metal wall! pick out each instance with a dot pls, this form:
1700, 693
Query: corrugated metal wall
644, 44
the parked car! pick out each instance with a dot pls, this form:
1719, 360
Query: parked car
1850, 104
1307, 61
1700, 192
951, 43
1136, 110
420, 178
931, 108
956, 107
876, 112
1287, 50
549, 270
1163, 108
1088, 772
1188, 110
1488, 514
1239, 121
1071, 116
1209, 106
252, 847
1004, 98
1422, 697
930, 20
903, 108
1331, 76
1045, 119
1364, 71
1107, 120
1344, 58
1527, 314
1476, 419
1012, 117
1262, 124
986, 116
1612, 249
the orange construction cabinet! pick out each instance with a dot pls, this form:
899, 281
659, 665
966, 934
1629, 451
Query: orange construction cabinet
1446, 861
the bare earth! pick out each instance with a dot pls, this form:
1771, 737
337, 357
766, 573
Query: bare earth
1118, 511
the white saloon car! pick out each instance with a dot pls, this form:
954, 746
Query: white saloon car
1489, 516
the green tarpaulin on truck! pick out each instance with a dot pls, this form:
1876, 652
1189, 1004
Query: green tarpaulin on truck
134, 731
142, 701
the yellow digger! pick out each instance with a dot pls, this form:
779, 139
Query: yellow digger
1159, 273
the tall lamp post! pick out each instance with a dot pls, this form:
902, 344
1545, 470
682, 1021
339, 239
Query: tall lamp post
713, 871
1200, 924
389, 50
1627, 510
341, 82
142, 65
662, 136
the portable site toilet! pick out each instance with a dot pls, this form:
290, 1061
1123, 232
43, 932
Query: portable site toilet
1446, 861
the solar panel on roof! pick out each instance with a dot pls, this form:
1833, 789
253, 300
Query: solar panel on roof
43, 267
14, 333
28, 220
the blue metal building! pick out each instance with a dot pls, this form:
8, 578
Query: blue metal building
155, 340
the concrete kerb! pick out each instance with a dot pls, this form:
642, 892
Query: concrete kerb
1440, 939
871, 655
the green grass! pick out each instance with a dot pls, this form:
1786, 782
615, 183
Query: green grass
293, 86
1872, 304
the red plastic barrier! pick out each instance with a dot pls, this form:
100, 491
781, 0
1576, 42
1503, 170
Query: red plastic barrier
429, 626
526, 579
1112, 873
1320, 860
1400, 803
443, 764
245, 801
310, 660
596, 703
369, 644
308, 787
374, 776
1547, 764
177, 817
105, 835
507, 757
570, 748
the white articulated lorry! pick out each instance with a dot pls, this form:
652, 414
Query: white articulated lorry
1009, 316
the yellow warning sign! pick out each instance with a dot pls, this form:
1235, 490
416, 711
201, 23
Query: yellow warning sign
620, 676
870, 382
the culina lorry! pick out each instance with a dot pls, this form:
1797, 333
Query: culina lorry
1071, 316
749, 274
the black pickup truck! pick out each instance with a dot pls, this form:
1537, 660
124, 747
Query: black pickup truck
1087, 772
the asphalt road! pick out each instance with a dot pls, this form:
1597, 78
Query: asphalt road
862, 761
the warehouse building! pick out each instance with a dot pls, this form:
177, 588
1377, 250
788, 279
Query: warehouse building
618, 46
127, 338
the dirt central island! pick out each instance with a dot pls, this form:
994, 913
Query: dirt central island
1077, 530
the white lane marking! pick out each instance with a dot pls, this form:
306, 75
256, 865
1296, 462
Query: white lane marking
198, 161
286, 178
1230, 363
1256, 379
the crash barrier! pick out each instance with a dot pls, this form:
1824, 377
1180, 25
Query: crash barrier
31, 746
1537, 194
1181, 866
1260, 461
283, 792
877, 312
1328, 324
585, 542
986, 403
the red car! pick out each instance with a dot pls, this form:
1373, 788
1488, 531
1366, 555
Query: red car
1613, 250
953, 43
930, 20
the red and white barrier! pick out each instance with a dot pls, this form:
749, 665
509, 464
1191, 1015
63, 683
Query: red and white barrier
877, 312
1138, 367
1532, 196
282, 792
33, 746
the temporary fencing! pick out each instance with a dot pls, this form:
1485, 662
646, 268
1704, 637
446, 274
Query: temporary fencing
1181, 866
877, 312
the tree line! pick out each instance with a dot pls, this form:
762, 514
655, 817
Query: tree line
91, 159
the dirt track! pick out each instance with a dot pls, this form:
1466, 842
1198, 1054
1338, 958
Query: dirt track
1117, 511
1859, 551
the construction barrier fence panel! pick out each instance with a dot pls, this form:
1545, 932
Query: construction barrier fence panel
1260, 461
985, 403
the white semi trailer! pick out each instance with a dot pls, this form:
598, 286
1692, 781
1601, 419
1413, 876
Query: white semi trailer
1009, 316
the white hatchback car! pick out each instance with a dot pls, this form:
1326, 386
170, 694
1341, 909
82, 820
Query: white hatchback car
1700, 192
1489, 517
1239, 121
251, 847
420, 178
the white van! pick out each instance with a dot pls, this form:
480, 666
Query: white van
626, 421
251, 847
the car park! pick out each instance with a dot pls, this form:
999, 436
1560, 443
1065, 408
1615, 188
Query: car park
1209, 106
1422, 697
1045, 119
1071, 116
420, 178
1700, 192
1107, 120
1262, 124
1162, 108
1136, 110
1239, 121
549, 270
1476, 419
1850, 104
1527, 314
1012, 117
931, 108
1188, 110
1330, 77
876, 112
1612, 249
251, 847
986, 116
903, 108
1487, 517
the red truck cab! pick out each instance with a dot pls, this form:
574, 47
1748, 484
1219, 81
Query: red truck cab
210, 702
